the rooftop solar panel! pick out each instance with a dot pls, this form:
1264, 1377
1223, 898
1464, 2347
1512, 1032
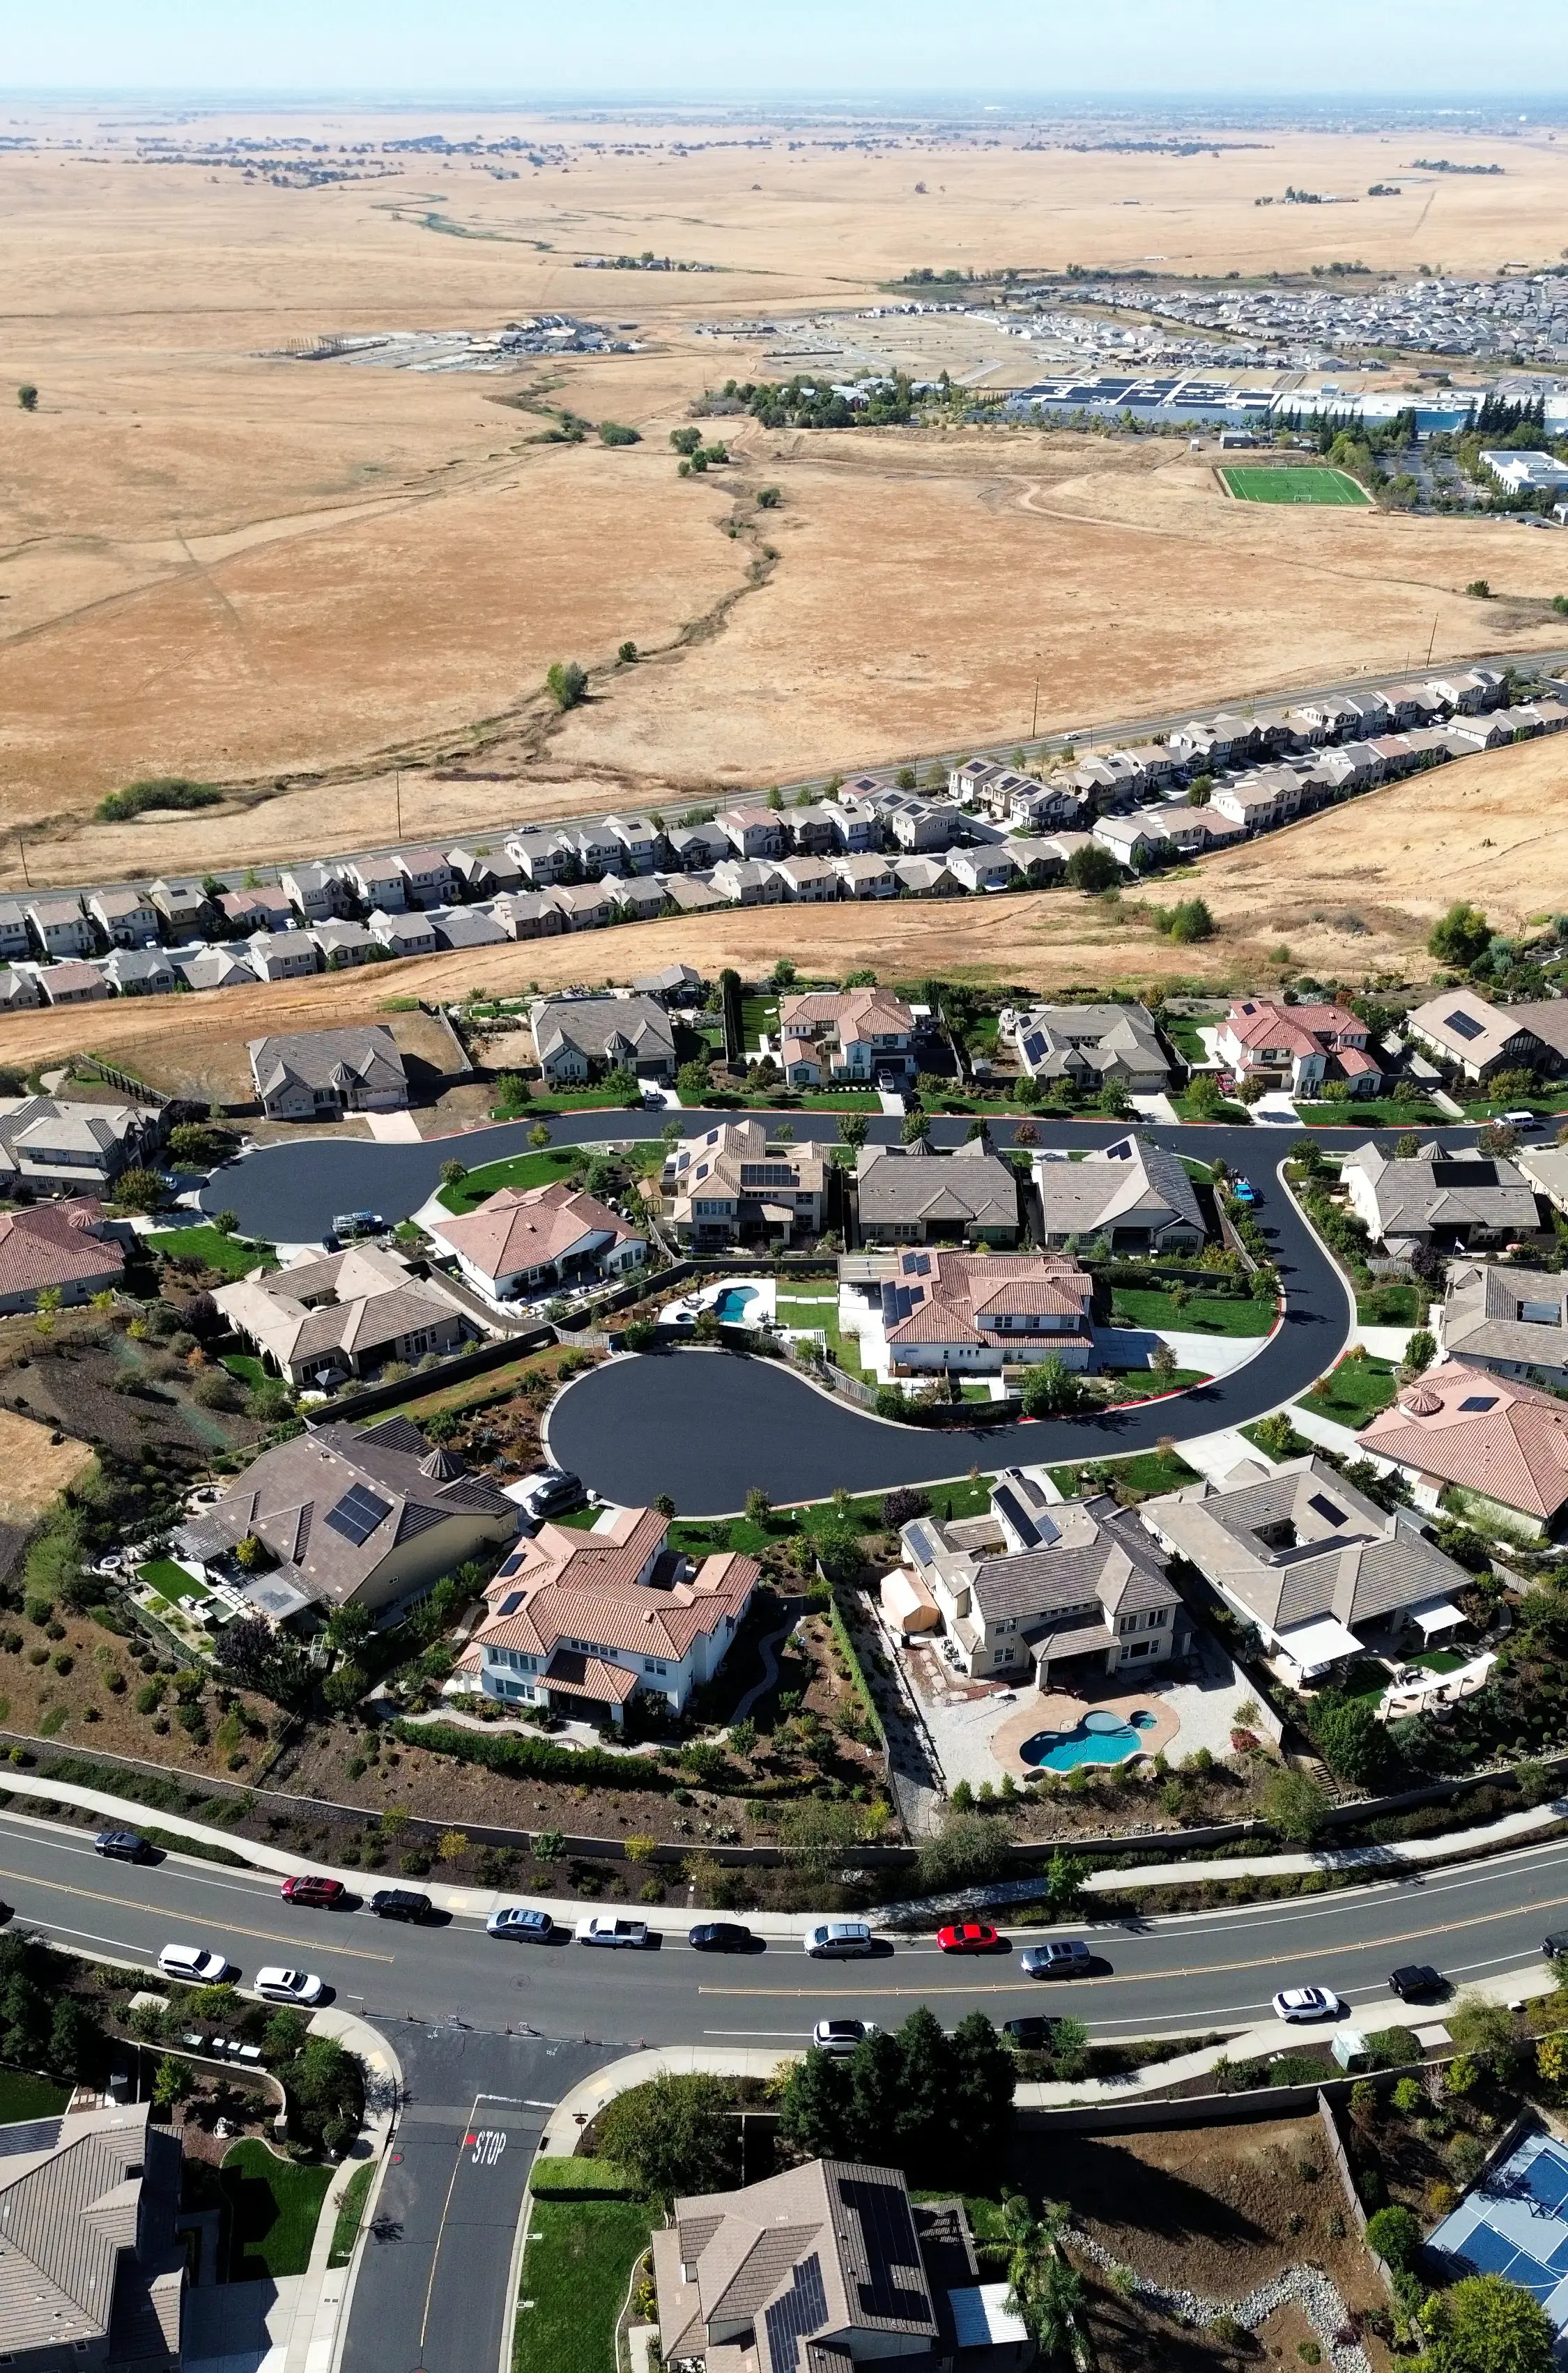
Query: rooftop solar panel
894, 2286
357, 1514
1326, 1508
920, 1544
803, 2310
1464, 1025
1007, 1506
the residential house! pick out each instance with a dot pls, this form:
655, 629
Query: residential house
925, 877
696, 846
283, 955
94, 2271
126, 917
1180, 831
584, 905
1526, 722
215, 967
1129, 840
581, 1622
1068, 1589
377, 882
1478, 1038
1546, 1167
1395, 754
1092, 1043
482, 873
341, 944
690, 896
814, 830
829, 2266
997, 787
184, 907
541, 858
858, 823
1045, 807
317, 892
841, 1035
746, 882
808, 879
1332, 719
731, 1183
866, 877
66, 1248
1414, 704
427, 877
71, 982
1479, 1444
1342, 774
640, 898
528, 915
756, 833
1298, 1046
1280, 733
315, 1073
1371, 715
405, 933
139, 971
261, 909
1273, 796
1158, 767
592, 850
56, 1145
18, 988
317, 1321
1469, 733
1513, 1321
14, 940
1447, 1202
917, 828
577, 1038
967, 783
1034, 863
1472, 690
1137, 1195
977, 1312
907, 1195
350, 1516
638, 840
1552, 713
59, 929
677, 984
1219, 830
466, 926
986, 868
524, 1241
1322, 1573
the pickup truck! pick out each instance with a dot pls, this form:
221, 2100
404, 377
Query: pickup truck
601, 1930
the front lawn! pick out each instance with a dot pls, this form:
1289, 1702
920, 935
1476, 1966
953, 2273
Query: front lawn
170, 1580
30, 2097
576, 2271
1202, 1315
235, 1256
1144, 1384
1145, 1473
1297, 1447
1229, 1115
1373, 1112
273, 2208
1538, 1100
523, 1171
559, 1100
1354, 1391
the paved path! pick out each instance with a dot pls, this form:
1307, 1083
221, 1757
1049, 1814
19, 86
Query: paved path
767, 1650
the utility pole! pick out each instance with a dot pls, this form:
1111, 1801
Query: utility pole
22, 853
1035, 720
397, 780
1429, 644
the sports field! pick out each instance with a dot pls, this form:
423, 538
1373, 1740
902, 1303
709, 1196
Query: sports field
1282, 485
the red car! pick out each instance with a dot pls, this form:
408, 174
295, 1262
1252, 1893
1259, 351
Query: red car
974, 1936
313, 1891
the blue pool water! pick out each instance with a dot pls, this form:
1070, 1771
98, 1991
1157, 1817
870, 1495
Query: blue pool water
733, 1304
1098, 1739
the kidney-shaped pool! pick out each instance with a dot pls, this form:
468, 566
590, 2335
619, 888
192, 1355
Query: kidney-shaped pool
1098, 1739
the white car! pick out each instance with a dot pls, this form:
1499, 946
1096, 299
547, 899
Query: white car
193, 1966
1298, 2003
289, 1985
600, 1931
1518, 1119
838, 1940
838, 2037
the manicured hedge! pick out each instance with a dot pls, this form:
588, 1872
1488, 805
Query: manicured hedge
532, 1758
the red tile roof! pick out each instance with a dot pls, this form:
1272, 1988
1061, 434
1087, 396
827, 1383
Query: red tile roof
957, 1290
1483, 1432
523, 1228
53, 1243
571, 1585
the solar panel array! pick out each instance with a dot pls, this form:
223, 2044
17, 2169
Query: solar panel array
898, 1300
920, 1545
1463, 1025
803, 2310
1326, 1508
1008, 1507
357, 1514
894, 2285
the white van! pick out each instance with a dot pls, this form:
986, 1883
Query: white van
838, 1940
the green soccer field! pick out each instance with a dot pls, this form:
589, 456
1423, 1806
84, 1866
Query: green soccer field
1284, 486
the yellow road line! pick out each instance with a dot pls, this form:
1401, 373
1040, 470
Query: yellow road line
263, 1936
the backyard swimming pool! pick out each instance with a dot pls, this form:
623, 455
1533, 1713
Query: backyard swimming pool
732, 1305
1098, 1739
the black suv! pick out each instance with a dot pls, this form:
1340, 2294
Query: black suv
400, 1903
123, 1845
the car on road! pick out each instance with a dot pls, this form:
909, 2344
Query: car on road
400, 1903
719, 1936
1411, 1980
1064, 1956
1297, 2004
193, 1965
838, 1940
122, 1845
289, 1985
615, 1933
357, 1224
523, 1927
1030, 2034
1246, 1193
1555, 1945
970, 1937
839, 2036
550, 1493
1520, 1119
319, 1893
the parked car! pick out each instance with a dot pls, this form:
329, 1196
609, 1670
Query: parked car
522, 1927
972, 1937
1030, 2034
721, 1936
839, 2036
357, 1224
1555, 1946
289, 1985
122, 1845
838, 1940
316, 1892
1245, 1192
1300, 2004
653, 1100
1414, 1979
602, 1931
192, 1965
1520, 1119
400, 1903
551, 1493
1064, 1956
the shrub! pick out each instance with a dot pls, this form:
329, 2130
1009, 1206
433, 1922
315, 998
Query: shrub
566, 683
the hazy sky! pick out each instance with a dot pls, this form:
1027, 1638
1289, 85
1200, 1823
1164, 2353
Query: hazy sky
996, 51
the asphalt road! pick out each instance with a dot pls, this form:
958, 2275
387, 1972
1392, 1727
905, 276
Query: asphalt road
1177, 1975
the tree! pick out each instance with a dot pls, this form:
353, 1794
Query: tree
673, 2136
27, 396
663, 1505
854, 1127
75, 2040
626, 654
1419, 1352
343, 1687
1462, 934
621, 1086
453, 1173
816, 1833
171, 2083
1395, 2234
968, 1851
1042, 2287
1092, 869
539, 1135
901, 1505
1052, 1390
1353, 1743
1295, 1804
815, 2112
692, 1082
1163, 1360
139, 1190
917, 1128
1275, 1435
1487, 2325
759, 1507
567, 684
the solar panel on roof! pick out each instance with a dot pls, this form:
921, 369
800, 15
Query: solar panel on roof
1326, 1508
511, 1602
1475, 1402
1464, 1025
357, 1514
922, 1546
896, 2288
803, 2310
1008, 1508
1034, 1047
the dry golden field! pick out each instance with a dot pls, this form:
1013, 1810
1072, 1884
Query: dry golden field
218, 561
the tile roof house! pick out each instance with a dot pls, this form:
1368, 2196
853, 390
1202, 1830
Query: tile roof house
216, 967
690, 896
528, 915
91, 2271
1450, 1200
981, 1312
582, 1621
577, 1037
283, 955
65, 1246
184, 905
126, 917
1072, 1582
72, 982
1498, 1446
731, 1183
342, 943
407, 933
748, 881
523, 1239
1313, 1563
139, 971
910, 1196
1478, 1038
316, 1320
1090, 1044
826, 2267
1298, 1046
466, 926
261, 909
427, 876
14, 940
317, 892
1513, 1321
370, 1515
1137, 1194
838, 1034
57, 1143
60, 927
313, 1072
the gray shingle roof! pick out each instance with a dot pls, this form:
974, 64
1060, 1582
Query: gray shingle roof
902, 1185
1127, 1182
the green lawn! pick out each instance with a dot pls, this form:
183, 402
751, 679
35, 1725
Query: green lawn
1147, 1471
1537, 1100
576, 2269
806, 1310
245, 1366
1297, 1446
1275, 483
1202, 1315
1371, 1112
28, 2096
273, 2206
1357, 1390
1392, 1305
1144, 1385
351, 2209
523, 1171
1182, 1029
233, 1255
1229, 1115
170, 1580
758, 1014
559, 1100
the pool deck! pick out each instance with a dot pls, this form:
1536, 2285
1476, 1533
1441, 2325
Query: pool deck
1056, 1710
